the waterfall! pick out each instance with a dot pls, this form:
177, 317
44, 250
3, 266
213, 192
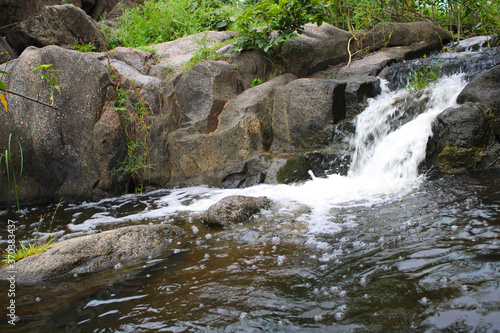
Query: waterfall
387, 148
392, 133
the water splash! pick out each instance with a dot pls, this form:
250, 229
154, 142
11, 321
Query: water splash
389, 144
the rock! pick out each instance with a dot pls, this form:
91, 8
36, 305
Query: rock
316, 49
252, 65
484, 89
463, 140
288, 169
243, 131
139, 59
12, 11
305, 113
69, 151
5, 47
473, 44
140, 88
233, 210
404, 34
93, 253
358, 90
201, 93
173, 56
62, 25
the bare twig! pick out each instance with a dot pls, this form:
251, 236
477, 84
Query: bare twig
31, 99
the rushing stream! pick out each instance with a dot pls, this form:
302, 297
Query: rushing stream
383, 249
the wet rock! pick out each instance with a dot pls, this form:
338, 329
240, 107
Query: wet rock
94, 253
62, 155
457, 159
404, 34
484, 89
234, 209
62, 25
288, 169
463, 140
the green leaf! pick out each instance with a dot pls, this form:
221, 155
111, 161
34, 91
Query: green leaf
4, 72
41, 67
3, 86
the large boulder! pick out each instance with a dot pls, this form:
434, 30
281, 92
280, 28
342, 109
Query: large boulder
93, 253
404, 34
68, 151
201, 93
305, 113
62, 25
463, 140
468, 136
316, 49
12, 11
242, 131
233, 210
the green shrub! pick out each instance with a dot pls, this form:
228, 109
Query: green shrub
158, 21
287, 18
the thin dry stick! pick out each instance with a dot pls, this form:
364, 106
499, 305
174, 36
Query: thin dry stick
31, 99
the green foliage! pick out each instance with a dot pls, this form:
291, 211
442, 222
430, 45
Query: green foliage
38, 246
137, 125
256, 82
7, 156
286, 18
421, 78
84, 48
461, 16
48, 75
206, 50
158, 21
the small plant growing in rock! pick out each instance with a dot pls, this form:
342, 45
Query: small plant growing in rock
84, 48
137, 127
256, 82
48, 75
421, 78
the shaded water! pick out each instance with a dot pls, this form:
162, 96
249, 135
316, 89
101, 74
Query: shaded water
383, 249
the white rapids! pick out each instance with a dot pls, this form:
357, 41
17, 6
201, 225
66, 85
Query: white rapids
384, 165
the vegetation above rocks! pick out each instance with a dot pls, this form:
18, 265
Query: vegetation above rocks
158, 21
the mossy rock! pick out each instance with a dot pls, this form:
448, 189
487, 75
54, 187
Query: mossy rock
456, 159
295, 169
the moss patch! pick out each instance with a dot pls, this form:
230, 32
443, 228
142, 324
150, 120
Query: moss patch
295, 169
456, 159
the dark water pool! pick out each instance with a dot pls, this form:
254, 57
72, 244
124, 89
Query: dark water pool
427, 262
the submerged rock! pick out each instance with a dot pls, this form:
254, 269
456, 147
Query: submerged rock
234, 209
93, 253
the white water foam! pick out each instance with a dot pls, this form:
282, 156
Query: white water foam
384, 167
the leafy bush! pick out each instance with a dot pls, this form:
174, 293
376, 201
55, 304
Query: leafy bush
287, 18
158, 21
